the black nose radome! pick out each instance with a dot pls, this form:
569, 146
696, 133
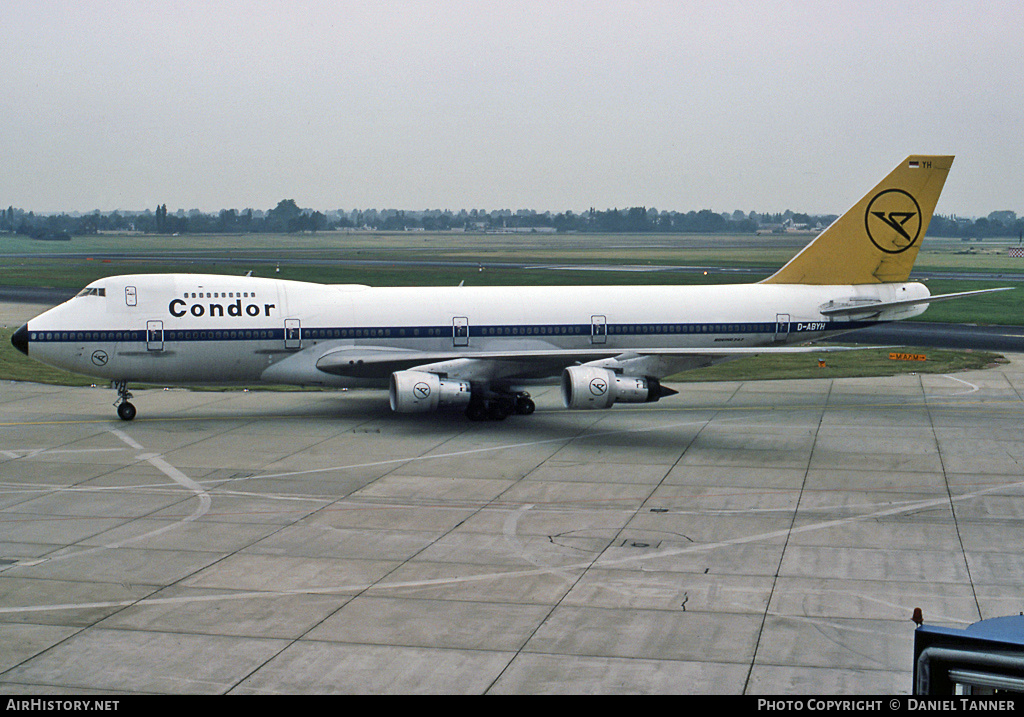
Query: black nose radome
20, 339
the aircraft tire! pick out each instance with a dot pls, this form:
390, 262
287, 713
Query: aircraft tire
126, 411
525, 406
499, 410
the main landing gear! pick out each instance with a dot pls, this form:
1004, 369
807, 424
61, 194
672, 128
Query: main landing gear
499, 407
125, 410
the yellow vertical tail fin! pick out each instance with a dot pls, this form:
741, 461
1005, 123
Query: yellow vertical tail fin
878, 239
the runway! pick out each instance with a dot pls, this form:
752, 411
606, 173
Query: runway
740, 538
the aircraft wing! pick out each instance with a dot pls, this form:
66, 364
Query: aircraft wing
363, 362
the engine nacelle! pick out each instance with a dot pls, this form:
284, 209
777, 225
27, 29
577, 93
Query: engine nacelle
586, 387
421, 392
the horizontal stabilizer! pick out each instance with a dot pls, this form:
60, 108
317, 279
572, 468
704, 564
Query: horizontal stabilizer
880, 306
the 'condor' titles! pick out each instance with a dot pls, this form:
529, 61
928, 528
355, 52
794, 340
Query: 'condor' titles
179, 307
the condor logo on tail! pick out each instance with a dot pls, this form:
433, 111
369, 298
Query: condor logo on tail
893, 221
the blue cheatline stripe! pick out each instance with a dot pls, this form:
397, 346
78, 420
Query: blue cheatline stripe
446, 331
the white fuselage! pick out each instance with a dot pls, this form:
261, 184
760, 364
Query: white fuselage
196, 329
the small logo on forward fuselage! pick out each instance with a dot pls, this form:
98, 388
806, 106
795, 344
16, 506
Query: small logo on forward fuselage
99, 358
893, 221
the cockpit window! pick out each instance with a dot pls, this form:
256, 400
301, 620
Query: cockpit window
92, 291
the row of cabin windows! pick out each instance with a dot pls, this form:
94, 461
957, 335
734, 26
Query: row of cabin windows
221, 295
376, 333
87, 336
544, 330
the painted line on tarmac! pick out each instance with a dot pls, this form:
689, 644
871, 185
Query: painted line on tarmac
176, 475
476, 451
15, 453
532, 572
972, 387
155, 460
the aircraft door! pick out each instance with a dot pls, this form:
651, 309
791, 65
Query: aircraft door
781, 327
460, 331
292, 334
154, 335
598, 329
130, 296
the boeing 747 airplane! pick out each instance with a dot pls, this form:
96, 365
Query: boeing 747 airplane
480, 348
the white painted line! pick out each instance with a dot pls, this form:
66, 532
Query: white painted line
512, 574
126, 438
476, 451
33, 452
972, 389
164, 467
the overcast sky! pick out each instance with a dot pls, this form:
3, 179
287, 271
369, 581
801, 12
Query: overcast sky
549, 105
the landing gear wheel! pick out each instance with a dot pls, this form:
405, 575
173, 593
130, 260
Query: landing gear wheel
499, 409
126, 411
498, 406
525, 405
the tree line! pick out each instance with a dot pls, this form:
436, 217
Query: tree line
288, 217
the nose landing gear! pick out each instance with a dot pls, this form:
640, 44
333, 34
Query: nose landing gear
125, 409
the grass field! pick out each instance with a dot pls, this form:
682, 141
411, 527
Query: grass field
847, 364
33, 263
677, 249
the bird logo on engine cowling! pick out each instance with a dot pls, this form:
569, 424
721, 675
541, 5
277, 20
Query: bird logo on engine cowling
421, 390
598, 386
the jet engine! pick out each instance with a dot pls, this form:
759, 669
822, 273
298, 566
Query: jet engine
586, 387
421, 392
